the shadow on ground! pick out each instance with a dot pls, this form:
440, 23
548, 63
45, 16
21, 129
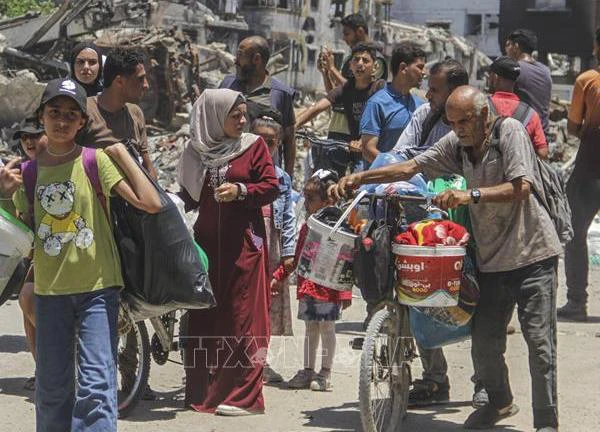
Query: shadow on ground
590, 320
14, 386
165, 407
346, 418
430, 421
335, 419
349, 327
13, 344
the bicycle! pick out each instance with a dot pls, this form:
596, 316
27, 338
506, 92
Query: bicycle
134, 335
387, 348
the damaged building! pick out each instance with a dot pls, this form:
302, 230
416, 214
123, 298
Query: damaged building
190, 43
298, 30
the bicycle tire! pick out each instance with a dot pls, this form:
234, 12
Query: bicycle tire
127, 401
383, 414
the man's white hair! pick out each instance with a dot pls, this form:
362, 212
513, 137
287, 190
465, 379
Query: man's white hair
479, 101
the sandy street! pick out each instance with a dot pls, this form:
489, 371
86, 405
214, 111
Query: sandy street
290, 410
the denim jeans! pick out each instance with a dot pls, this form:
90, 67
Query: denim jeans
90, 320
533, 290
584, 199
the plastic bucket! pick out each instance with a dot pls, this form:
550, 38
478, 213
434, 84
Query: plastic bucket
428, 275
327, 257
15, 244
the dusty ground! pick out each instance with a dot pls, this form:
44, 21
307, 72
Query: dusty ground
290, 411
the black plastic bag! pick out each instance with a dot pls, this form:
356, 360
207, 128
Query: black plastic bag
161, 265
373, 265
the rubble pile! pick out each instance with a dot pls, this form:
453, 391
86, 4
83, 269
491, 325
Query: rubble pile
438, 43
562, 146
20, 94
165, 153
180, 69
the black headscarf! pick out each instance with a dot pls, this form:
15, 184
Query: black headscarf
96, 87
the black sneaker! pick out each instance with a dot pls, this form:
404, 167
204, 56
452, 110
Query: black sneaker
486, 417
573, 311
427, 392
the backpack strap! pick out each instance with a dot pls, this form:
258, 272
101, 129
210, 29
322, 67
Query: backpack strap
90, 166
29, 172
523, 113
495, 132
492, 106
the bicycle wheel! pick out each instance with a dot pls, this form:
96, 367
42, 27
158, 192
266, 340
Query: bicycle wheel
384, 374
133, 362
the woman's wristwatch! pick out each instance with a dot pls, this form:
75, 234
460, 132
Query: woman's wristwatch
242, 191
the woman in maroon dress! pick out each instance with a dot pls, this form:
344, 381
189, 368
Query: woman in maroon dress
228, 175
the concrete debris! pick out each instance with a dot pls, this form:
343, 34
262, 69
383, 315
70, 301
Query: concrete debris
183, 62
20, 95
175, 69
562, 146
438, 43
165, 153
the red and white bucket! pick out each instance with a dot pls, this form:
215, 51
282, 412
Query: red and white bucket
327, 258
328, 254
428, 275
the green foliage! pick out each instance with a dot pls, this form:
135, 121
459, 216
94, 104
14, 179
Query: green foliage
14, 8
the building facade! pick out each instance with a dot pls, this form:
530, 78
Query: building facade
563, 26
476, 20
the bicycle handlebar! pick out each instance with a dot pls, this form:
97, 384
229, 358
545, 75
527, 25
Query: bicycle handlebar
325, 142
422, 200
404, 198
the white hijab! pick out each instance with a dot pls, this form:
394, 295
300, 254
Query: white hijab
209, 147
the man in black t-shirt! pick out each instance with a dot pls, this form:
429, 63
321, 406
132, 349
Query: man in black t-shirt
353, 94
355, 31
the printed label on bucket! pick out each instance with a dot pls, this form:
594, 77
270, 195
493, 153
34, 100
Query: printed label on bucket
428, 280
326, 263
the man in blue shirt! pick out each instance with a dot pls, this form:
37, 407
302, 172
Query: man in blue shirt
389, 110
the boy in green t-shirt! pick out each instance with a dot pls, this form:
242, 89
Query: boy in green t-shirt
77, 267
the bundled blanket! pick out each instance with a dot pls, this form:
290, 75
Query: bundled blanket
434, 232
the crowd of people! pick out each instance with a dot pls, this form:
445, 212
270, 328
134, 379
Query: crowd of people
237, 171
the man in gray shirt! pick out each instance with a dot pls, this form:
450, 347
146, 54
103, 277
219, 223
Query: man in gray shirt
517, 247
427, 126
534, 85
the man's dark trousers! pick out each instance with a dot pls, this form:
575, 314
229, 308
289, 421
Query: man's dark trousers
533, 289
583, 192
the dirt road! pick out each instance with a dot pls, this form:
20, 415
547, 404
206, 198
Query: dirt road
291, 411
